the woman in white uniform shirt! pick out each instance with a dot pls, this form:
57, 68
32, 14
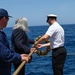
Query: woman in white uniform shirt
56, 34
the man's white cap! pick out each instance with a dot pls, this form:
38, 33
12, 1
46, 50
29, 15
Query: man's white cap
51, 15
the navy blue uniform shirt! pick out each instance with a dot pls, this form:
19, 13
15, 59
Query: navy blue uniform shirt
6, 55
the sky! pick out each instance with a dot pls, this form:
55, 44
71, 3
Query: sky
36, 11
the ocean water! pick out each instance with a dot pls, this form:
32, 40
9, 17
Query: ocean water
42, 65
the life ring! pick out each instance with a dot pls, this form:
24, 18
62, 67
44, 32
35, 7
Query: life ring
43, 52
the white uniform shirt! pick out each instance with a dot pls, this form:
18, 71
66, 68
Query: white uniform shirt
56, 33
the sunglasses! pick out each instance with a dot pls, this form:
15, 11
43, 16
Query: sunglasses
7, 18
47, 19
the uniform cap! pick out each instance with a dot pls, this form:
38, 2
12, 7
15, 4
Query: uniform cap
51, 15
3, 13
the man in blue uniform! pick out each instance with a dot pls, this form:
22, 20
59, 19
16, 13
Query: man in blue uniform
6, 55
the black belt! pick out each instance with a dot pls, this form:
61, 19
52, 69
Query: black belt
57, 48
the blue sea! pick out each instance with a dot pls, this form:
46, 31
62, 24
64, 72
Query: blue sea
42, 65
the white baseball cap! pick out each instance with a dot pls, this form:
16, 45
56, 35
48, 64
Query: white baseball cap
51, 15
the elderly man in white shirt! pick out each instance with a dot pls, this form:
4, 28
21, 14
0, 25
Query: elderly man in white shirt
56, 34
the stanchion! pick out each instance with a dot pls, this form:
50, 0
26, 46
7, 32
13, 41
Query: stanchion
22, 64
